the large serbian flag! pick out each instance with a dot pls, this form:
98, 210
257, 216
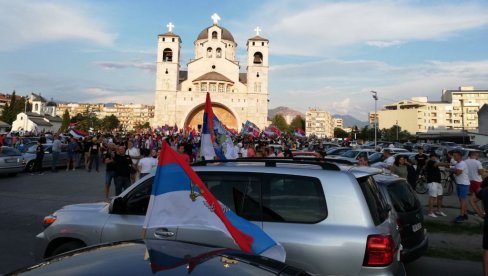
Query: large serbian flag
179, 199
216, 142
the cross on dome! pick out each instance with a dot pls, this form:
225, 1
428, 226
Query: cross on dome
215, 17
257, 30
170, 27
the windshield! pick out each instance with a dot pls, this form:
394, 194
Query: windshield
403, 197
350, 154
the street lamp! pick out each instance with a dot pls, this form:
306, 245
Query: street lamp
397, 130
375, 97
462, 117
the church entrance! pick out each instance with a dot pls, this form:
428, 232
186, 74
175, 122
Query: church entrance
194, 119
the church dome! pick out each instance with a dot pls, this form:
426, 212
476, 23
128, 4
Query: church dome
225, 34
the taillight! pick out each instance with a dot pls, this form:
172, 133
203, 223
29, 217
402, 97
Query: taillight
48, 220
380, 250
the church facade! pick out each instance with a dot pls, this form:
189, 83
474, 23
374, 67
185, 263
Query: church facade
236, 96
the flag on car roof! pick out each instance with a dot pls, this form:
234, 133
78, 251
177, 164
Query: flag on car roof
179, 198
215, 138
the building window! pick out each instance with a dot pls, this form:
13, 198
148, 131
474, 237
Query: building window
262, 43
221, 87
204, 87
253, 43
173, 39
189, 89
218, 53
164, 39
214, 35
209, 52
167, 55
213, 87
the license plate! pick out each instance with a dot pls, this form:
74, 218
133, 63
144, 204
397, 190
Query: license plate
416, 227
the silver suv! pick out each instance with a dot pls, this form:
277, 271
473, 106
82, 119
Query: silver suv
329, 221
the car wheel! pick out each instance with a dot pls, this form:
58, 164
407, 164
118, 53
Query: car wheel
29, 166
65, 247
12, 174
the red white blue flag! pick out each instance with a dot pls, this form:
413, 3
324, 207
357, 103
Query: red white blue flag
179, 198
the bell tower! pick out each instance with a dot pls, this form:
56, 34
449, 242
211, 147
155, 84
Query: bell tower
257, 63
167, 76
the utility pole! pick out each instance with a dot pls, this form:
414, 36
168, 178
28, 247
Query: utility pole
375, 97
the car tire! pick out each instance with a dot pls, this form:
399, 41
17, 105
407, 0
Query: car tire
65, 247
29, 166
12, 174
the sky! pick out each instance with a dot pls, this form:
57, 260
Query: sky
323, 54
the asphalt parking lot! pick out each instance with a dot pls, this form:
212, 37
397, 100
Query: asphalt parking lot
25, 200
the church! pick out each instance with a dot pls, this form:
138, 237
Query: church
236, 96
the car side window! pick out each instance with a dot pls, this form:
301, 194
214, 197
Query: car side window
240, 192
374, 198
293, 199
138, 199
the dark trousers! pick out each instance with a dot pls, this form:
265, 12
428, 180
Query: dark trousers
55, 155
93, 158
121, 183
37, 167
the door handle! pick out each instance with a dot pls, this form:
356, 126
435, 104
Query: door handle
162, 233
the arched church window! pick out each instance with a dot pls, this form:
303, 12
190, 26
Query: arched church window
258, 58
209, 52
218, 53
167, 55
214, 35
36, 107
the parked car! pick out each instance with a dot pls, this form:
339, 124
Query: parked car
336, 151
30, 157
11, 161
354, 154
410, 217
305, 154
329, 221
149, 257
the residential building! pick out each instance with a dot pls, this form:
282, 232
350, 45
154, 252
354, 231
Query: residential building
319, 123
338, 123
483, 120
457, 110
79, 108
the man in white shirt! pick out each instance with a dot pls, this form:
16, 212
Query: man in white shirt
462, 184
389, 158
474, 173
146, 164
135, 155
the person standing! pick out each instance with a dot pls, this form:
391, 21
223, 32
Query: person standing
146, 164
474, 173
433, 175
388, 157
123, 167
110, 168
399, 167
182, 153
135, 155
37, 167
55, 151
420, 159
363, 161
462, 184
72, 152
86, 151
94, 154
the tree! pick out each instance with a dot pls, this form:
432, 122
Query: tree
142, 126
66, 120
12, 109
297, 122
280, 122
110, 122
340, 133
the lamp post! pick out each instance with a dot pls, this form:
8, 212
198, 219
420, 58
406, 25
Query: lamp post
397, 131
462, 117
375, 97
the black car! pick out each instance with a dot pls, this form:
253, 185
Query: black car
150, 257
410, 217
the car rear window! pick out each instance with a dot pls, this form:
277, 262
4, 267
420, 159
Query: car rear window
403, 197
375, 200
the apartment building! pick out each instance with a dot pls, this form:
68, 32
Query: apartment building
338, 122
319, 123
457, 110
78, 108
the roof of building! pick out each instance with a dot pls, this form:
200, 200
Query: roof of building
257, 37
53, 119
225, 34
40, 121
51, 104
169, 34
38, 98
3, 124
213, 76
32, 114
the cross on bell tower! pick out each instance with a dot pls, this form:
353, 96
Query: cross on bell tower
257, 30
170, 27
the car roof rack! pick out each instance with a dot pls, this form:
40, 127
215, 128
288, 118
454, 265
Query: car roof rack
271, 162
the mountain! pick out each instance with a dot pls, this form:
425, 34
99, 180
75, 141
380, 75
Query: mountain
283, 110
350, 121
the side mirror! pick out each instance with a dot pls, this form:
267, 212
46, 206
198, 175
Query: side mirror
117, 206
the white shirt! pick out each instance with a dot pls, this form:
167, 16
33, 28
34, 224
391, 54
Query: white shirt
463, 178
389, 161
56, 145
146, 164
133, 152
473, 167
